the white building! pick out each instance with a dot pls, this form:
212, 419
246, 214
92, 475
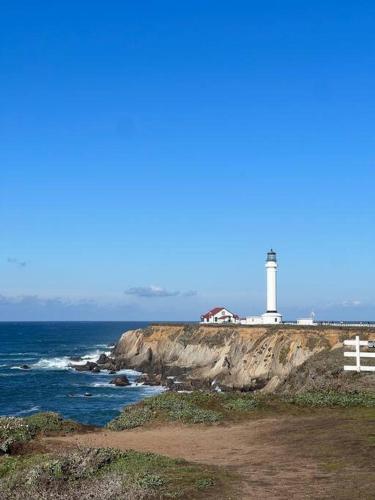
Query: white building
271, 316
307, 321
219, 315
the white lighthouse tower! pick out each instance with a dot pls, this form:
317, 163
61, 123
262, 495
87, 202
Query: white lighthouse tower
271, 316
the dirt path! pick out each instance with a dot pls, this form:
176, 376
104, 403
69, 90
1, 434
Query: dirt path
276, 458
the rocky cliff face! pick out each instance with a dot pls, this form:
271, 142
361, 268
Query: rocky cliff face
229, 356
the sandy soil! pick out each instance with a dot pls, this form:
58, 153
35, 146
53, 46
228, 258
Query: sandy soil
322, 456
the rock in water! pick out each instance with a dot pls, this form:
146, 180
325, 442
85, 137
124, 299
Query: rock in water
103, 358
121, 381
149, 379
25, 367
88, 367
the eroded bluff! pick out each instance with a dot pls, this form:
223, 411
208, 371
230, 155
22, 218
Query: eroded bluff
232, 357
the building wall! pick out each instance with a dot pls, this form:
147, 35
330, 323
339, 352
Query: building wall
252, 320
217, 318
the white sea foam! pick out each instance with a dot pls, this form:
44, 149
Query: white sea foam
101, 384
23, 354
30, 410
53, 363
108, 385
64, 362
130, 373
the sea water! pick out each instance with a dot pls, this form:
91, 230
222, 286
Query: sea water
51, 384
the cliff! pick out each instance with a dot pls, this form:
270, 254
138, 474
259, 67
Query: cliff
228, 356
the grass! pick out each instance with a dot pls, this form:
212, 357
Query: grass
193, 408
213, 408
131, 417
106, 473
333, 399
16, 431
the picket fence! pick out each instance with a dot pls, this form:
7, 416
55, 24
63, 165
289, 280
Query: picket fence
358, 354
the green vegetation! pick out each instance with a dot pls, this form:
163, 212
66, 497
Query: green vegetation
15, 431
242, 404
131, 417
102, 473
50, 422
212, 408
333, 398
190, 408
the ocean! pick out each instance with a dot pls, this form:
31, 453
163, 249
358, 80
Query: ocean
50, 384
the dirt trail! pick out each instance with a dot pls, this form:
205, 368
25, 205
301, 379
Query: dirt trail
275, 458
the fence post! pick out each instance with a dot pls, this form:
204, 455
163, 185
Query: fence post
358, 353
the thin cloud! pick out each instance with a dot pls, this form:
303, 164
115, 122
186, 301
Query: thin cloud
38, 308
189, 293
16, 262
153, 291
351, 303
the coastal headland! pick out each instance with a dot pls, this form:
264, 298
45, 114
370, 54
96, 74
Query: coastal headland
188, 356
252, 413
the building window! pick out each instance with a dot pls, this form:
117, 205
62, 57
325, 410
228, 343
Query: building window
275, 320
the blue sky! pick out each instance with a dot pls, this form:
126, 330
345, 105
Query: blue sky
152, 152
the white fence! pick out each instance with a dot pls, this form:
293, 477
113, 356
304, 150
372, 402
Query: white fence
358, 354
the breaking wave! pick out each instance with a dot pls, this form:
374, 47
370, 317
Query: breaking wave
30, 410
65, 362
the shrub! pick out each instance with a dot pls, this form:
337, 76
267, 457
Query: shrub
333, 398
151, 481
49, 422
184, 407
204, 483
13, 431
101, 474
192, 414
131, 417
244, 403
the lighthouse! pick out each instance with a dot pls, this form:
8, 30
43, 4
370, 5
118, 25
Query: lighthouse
271, 316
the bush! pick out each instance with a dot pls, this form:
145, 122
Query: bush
102, 474
191, 408
190, 414
184, 407
151, 481
16, 431
204, 483
49, 422
131, 417
13, 431
244, 403
333, 398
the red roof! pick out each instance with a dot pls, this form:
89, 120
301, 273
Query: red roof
216, 311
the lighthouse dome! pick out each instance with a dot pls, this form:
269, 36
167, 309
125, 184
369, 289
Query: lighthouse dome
271, 256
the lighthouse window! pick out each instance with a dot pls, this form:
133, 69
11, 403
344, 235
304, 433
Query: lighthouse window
275, 320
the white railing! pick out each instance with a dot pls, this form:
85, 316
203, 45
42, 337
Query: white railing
358, 354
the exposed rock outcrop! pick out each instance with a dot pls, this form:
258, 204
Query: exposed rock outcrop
228, 357
120, 381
